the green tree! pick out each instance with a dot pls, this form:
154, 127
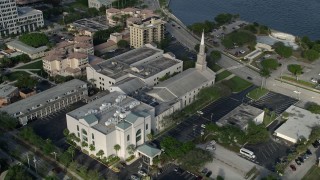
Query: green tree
71, 150
48, 147
220, 177
100, 153
313, 107
240, 38
311, 54
270, 64
295, 69
150, 136
122, 44
196, 158
66, 132
223, 18
92, 147
83, 170
282, 50
26, 82
93, 175
7, 121
131, 148
257, 133
34, 39
215, 55
65, 158
84, 144
17, 172
117, 147
316, 47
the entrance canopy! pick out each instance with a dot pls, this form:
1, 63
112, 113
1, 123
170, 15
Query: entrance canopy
148, 151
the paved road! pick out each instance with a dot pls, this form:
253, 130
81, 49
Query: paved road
187, 39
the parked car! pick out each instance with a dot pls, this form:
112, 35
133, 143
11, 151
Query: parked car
209, 174
213, 142
142, 173
293, 167
249, 78
298, 162
301, 159
134, 177
200, 112
308, 152
210, 148
204, 171
314, 80
242, 51
203, 125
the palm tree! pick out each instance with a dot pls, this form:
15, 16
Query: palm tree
91, 147
150, 136
100, 153
117, 147
71, 150
131, 149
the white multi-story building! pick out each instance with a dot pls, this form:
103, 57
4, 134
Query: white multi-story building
147, 63
99, 3
114, 119
15, 19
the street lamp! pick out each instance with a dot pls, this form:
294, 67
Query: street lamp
211, 116
35, 163
55, 155
28, 160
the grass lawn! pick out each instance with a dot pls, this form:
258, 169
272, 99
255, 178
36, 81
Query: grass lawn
222, 75
257, 93
312, 174
35, 65
267, 119
215, 67
301, 82
237, 84
14, 75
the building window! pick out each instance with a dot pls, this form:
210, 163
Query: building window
146, 126
92, 136
138, 135
77, 127
84, 131
93, 143
128, 138
78, 134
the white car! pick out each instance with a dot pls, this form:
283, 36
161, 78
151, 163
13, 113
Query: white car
242, 51
200, 112
213, 142
297, 92
203, 125
314, 80
210, 148
142, 173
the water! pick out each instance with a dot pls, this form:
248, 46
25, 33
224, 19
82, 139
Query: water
297, 17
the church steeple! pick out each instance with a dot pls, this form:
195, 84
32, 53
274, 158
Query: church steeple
201, 58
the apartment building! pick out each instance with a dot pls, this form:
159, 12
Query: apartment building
47, 102
147, 63
7, 92
111, 120
133, 15
14, 20
149, 30
69, 58
99, 3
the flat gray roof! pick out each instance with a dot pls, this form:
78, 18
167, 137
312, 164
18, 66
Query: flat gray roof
42, 97
26, 11
89, 24
299, 123
135, 62
25, 48
108, 109
6, 90
240, 116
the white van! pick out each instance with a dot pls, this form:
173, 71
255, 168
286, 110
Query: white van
247, 153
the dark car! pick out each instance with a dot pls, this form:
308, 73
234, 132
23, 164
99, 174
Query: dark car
249, 78
301, 159
293, 167
308, 152
316, 144
209, 174
204, 171
298, 162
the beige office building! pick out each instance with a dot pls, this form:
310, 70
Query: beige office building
149, 30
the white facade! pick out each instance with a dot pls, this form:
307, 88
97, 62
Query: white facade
114, 122
15, 20
99, 3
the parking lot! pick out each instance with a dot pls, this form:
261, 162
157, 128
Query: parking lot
171, 174
274, 102
267, 154
180, 51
